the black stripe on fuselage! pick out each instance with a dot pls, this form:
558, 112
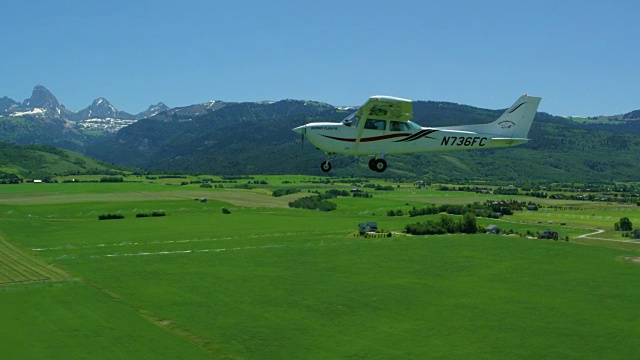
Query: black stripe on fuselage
418, 135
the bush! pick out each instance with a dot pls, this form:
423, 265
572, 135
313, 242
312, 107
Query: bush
226, 211
158, 213
283, 192
142, 215
379, 187
446, 224
623, 225
110, 217
424, 211
313, 203
336, 193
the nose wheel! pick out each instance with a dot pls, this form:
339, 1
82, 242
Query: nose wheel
378, 165
325, 166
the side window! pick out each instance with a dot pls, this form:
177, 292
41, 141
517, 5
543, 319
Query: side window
373, 124
399, 126
356, 120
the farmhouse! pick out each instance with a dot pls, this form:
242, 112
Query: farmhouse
548, 234
492, 229
368, 226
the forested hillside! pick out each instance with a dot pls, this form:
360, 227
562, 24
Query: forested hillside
43, 161
236, 139
52, 131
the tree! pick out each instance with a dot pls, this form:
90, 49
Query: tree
449, 224
469, 224
625, 224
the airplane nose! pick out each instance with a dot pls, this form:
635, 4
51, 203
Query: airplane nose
300, 129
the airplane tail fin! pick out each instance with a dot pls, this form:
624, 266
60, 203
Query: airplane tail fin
512, 127
516, 121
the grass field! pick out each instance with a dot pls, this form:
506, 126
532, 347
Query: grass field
270, 282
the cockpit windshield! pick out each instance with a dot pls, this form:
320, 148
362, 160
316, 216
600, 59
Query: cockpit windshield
351, 120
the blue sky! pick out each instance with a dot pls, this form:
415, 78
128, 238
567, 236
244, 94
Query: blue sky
582, 57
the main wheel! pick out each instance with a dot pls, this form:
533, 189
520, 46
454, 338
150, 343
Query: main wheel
325, 166
380, 165
372, 164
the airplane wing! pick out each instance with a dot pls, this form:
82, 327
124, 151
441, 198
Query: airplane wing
383, 108
386, 108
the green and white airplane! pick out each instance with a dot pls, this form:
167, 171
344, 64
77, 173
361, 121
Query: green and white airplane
382, 126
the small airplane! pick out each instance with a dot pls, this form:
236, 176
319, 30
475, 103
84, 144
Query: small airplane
382, 126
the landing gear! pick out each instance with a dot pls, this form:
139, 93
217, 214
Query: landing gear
372, 164
326, 165
379, 165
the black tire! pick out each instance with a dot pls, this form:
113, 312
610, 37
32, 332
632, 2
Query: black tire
325, 166
380, 165
372, 164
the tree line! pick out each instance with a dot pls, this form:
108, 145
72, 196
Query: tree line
447, 224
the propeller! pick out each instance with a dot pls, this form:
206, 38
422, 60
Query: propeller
303, 133
302, 130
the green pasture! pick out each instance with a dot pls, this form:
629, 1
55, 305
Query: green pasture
72, 320
270, 282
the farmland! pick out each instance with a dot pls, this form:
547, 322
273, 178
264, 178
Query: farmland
268, 281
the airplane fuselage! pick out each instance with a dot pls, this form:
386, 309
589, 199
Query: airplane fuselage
339, 138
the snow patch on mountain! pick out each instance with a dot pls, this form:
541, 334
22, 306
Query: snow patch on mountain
36, 111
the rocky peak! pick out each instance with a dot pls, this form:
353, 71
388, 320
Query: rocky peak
7, 103
152, 110
101, 108
41, 97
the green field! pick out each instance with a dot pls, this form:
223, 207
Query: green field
267, 281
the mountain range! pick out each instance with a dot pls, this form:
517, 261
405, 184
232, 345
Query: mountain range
42, 119
229, 138
43, 103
